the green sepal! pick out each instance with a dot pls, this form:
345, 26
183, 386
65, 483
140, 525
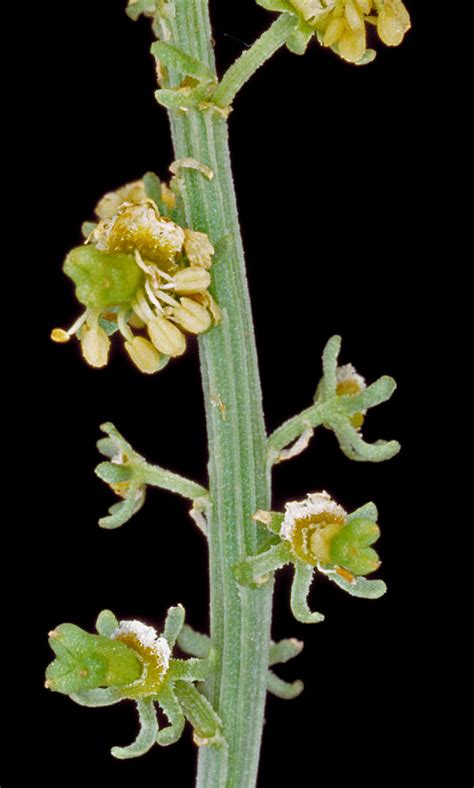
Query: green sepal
84, 661
123, 511
299, 594
173, 624
355, 447
195, 643
368, 510
300, 38
274, 525
199, 712
97, 698
113, 473
360, 586
284, 690
103, 279
147, 734
284, 650
176, 59
106, 623
379, 391
152, 186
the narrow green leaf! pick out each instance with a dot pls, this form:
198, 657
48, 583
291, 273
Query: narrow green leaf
95, 698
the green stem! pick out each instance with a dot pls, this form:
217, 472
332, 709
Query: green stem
240, 617
246, 65
290, 430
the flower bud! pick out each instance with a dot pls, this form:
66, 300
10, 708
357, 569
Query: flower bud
191, 280
311, 525
166, 337
192, 316
95, 345
143, 355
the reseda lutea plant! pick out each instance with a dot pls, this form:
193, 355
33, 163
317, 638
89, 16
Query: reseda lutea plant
162, 263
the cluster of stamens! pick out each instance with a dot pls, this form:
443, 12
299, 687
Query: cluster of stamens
342, 23
164, 295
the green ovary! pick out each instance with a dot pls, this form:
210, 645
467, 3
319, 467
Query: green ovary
85, 661
350, 547
103, 279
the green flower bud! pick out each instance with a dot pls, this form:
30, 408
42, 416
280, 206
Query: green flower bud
350, 547
103, 279
85, 661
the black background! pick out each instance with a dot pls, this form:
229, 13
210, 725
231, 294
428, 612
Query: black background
332, 174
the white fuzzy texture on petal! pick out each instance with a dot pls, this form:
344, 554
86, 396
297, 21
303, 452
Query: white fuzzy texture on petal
148, 638
348, 372
315, 503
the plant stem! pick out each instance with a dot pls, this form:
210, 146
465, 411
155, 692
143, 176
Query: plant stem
253, 58
240, 617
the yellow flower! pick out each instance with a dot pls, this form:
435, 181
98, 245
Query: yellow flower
341, 24
310, 526
140, 270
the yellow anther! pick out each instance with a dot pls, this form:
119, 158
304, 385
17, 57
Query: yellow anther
353, 16
364, 5
166, 337
334, 31
393, 22
192, 280
95, 345
352, 45
191, 316
143, 355
59, 335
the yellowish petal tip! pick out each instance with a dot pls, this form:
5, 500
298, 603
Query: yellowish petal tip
59, 335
